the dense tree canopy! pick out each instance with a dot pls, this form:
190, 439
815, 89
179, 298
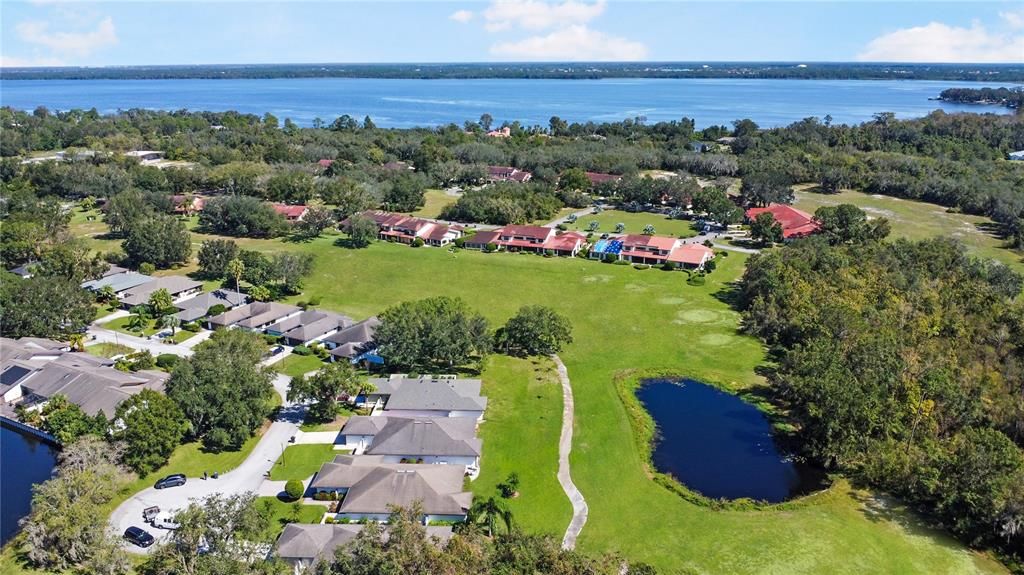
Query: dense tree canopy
222, 389
151, 425
534, 330
160, 240
43, 306
433, 332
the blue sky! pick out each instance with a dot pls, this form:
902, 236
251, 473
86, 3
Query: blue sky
127, 32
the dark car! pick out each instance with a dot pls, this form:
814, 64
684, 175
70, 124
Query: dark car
176, 480
277, 350
139, 536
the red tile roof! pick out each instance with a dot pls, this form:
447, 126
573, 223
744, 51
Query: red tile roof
795, 223
534, 232
566, 242
657, 242
483, 238
290, 212
599, 178
694, 254
325, 163
508, 173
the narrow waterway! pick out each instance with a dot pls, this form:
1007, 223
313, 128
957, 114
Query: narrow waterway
24, 461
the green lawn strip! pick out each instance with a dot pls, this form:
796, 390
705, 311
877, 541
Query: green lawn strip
919, 220
520, 434
121, 324
282, 513
181, 335
344, 412
433, 202
296, 365
103, 311
635, 223
108, 350
301, 461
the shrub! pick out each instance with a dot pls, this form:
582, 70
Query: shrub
417, 243
294, 489
191, 326
167, 361
562, 227
549, 253
621, 262
696, 280
328, 520
667, 266
146, 268
708, 243
491, 247
271, 339
321, 496
709, 266
642, 266
460, 242
609, 258
315, 300
302, 350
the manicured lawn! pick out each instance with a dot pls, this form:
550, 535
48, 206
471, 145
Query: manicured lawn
102, 310
301, 461
344, 412
296, 365
433, 202
635, 223
919, 220
623, 319
108, 349
520, 434
93, 232
282, 513
121, 324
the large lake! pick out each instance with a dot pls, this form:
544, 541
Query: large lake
24, 461
408, 103
719, 445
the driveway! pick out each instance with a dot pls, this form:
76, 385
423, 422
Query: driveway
247, 477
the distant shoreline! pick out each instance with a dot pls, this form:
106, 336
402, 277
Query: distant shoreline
981, 73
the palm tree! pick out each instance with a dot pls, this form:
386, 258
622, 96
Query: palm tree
106, 294
168, 321
649, 230
620, 227
489, 511
137, 321
161, 302
77, 341
235, 268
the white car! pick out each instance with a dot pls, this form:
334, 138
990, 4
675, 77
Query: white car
164, 521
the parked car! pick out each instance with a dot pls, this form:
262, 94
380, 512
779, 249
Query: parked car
277, 350
176, 480
138, 536
165, 521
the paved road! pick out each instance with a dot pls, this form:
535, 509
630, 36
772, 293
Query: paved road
589, 211
156, 347
579, 505
249, 476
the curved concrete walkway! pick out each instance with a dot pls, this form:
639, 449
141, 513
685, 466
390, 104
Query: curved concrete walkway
579, 505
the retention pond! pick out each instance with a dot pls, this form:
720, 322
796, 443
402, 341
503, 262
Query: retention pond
719, 445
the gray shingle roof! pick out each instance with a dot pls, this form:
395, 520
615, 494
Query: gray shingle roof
373, 487
357, 333
310, 325
432, 394
254, 314
427, 436
196, 307
139, 295
364, 425
310, 542
118, 282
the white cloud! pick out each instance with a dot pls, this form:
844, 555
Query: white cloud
461, 16
575, 42
538, 15
79, 43
1015, 20
16, 62
938, 42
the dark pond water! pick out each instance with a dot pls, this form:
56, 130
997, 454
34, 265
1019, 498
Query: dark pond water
24, 461
719, 445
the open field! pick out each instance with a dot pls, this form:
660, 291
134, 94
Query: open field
919, 220
296, 365
635, 223
433, 202
301, 461
626, 318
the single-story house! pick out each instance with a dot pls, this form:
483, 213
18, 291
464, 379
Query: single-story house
255, 316
691, 256
599, 178
195, 308
445, 440
180, 287
1016, 156
429, 396
398, 166
23, 271
145, 156
308, 326
507, 174
370, 487
290, 213
699, 147
119, 282
528, 238
502, 132
406, 229
303, 545
350, 342
565, 244
795, 223
187, 205
32, 372
480, 240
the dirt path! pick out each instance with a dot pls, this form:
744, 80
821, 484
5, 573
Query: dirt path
579, 505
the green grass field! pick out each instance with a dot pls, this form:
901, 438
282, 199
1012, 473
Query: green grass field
296, 365
121, 324
433, 202
108, 350
919, 220
301, 461
635, 223
282, 513
627, 319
